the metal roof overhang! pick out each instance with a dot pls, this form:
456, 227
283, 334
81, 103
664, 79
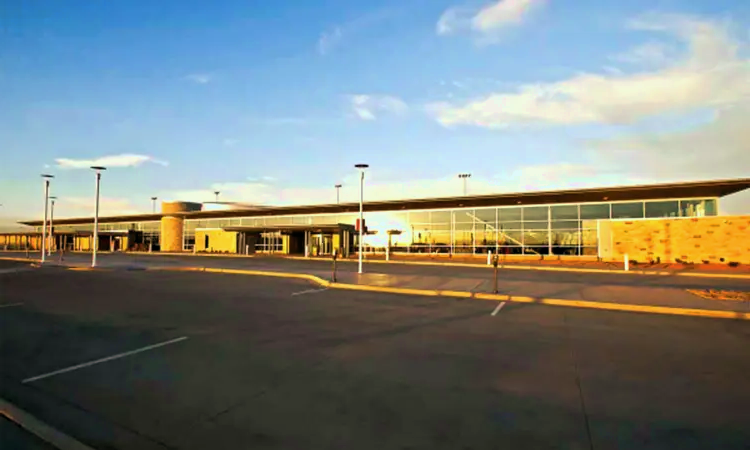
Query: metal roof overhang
327, 228
717, 188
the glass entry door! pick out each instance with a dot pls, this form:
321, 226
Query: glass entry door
321, 244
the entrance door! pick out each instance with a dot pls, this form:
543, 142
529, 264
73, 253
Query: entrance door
321, 244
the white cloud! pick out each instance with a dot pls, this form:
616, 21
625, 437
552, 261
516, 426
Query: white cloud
367, 106
329, 39
123, 160
488, 19
84, 207
199, 78
650, 53
711, 75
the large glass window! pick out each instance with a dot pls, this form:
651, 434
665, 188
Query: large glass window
663, 209
509, 214
564, 212
535, 213
632, 210
596, 211
697, 208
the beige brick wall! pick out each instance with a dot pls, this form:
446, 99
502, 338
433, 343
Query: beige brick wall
696, 240
218, 241
171, 233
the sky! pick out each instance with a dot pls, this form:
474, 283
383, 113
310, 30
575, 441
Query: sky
274, 102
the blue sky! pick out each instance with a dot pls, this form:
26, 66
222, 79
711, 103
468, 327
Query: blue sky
273, 102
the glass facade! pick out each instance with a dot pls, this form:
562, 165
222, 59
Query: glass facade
569, 229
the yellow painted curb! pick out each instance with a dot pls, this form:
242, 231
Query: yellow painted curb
88, 269
40, 429
28, 260
661, 273
483, 296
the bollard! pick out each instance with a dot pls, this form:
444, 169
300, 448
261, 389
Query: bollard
333, 256
62, 250
247, 249
150, 247
388, 253
627, 263
489, 257
494, 263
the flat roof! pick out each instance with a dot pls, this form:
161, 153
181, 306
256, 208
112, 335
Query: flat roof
715, 188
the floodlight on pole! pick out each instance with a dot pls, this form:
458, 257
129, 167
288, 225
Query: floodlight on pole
464, 177
153, 205
51, 223
338, 190
46, 177
95, 247
361, 168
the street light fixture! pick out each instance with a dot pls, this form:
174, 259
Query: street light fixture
216, 193
46, 177
464, 177
51, 224
98, 170
153, 205
361, 168
338, 190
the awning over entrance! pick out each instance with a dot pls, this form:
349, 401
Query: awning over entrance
100, 233
285, 229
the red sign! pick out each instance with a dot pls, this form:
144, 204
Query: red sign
364, 222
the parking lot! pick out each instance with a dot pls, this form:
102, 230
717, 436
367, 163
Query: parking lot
140, 360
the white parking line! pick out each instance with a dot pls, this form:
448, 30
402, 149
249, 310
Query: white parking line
499, 307
11, 304
108, 358
35, 426
309, 291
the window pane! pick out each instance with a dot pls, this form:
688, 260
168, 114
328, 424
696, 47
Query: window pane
535, 213
632, 210
485, 215
464, 215
663, 209
509, 214
510, 225
566, 224
512, 237
563, 212
440, 217
535, 225
697, 208
532, 238
464, 237
463, 226
598, 211
565, 237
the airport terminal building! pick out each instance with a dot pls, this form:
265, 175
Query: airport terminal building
663, 222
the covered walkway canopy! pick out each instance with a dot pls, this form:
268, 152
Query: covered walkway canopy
292, 228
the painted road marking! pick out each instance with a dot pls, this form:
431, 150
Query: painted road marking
499, 307
108, 358
309, 291
718, 294
43, 431
11, 304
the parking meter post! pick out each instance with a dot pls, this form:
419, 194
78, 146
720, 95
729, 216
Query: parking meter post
494, 263
333, 275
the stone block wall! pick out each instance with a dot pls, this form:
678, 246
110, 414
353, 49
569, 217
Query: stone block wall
696, 240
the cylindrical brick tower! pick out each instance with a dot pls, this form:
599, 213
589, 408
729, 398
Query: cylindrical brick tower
173, 223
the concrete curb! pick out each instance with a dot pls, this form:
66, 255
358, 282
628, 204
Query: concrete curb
40, 429
715, 314
541, 268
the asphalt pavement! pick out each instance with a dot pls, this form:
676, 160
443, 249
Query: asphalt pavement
141, 360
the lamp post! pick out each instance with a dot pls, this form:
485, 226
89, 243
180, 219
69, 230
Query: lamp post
153, 205
338, 190
51, 224
46, 177
98, 170
361, 168
216, 193
464, 177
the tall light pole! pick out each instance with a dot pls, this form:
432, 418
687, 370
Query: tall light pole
338, 190
153, 205
98, 170
464, 177
361, 168
51, 224
216, 193
46, 177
